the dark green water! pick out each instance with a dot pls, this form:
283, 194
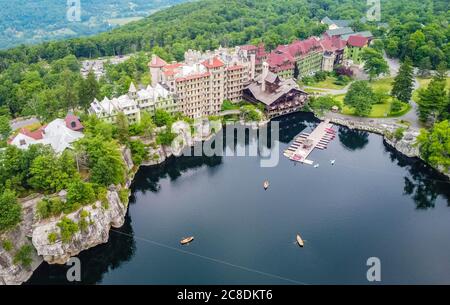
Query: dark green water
371, 203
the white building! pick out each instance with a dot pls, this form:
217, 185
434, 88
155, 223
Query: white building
59, 134
148, 99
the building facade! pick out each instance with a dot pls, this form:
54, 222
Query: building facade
354, 49
204, 80
278, 96
132, 104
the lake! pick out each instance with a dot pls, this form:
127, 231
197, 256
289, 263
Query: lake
372, 203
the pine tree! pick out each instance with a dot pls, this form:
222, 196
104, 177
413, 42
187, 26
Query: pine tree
88, 90
433, 101
403, 82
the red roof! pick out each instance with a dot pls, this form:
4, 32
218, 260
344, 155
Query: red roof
333, 44
194, 76
37, 134
249, 47
72, 122
216, 63
279, 61
172, 69
156, 62
235, 67
358, 41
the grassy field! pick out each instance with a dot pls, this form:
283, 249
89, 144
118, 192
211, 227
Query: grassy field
326, 84
378, 110
423, 83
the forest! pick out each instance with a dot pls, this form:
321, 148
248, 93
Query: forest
30, 22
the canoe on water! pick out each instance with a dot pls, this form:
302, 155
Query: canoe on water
266, 185
300, 241
187, 240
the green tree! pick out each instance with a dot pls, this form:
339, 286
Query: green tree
79, 192
360, 97
68, 229
122, 128
374, 63
23, 256
49, 173
162, 118
404, 82
433, 101
425, 66
147, 124
434, 145
5, 128
10, 210
88, 90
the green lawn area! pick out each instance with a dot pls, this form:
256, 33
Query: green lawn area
326, 84
423, 83
378, 110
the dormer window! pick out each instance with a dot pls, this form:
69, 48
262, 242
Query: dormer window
73, 124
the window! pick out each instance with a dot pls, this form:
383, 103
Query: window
22, 142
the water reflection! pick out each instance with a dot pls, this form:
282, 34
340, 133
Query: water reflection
95, 262
353, 139
147, 178
423, 184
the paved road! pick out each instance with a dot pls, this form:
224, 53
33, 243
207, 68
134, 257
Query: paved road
411, 116
22, 123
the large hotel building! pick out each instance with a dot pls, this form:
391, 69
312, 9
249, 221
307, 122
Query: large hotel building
204, 80
198, 86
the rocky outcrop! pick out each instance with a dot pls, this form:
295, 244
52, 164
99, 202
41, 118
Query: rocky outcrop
406, 145
11, 272
100, 219
187, 136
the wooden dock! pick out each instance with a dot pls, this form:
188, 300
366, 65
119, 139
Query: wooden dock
305, 143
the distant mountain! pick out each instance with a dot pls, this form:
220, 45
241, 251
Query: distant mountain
28, 22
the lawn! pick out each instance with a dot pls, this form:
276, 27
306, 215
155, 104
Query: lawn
326, 84
423, 83
378, 110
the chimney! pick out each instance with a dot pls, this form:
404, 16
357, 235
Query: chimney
265, 72
211, 60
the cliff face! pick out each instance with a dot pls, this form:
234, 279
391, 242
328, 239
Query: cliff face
34, 232
100, 219
406, 145
12, 273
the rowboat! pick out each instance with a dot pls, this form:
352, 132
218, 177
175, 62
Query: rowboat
300, 241
187, 240
266, 185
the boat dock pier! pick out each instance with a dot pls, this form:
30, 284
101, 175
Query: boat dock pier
305, 143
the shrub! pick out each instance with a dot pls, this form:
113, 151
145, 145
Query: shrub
307, 80
344, 71
68, 229
320, 76
228, 105
80, 192
162, 118
52, 237
124, 195
48, 207
398, 134
165, 138
396, 106
139, 152
7, 245
10, 210
250, 113
23, 256
83, 224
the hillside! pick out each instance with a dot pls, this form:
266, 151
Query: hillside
29, 22
43, 78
